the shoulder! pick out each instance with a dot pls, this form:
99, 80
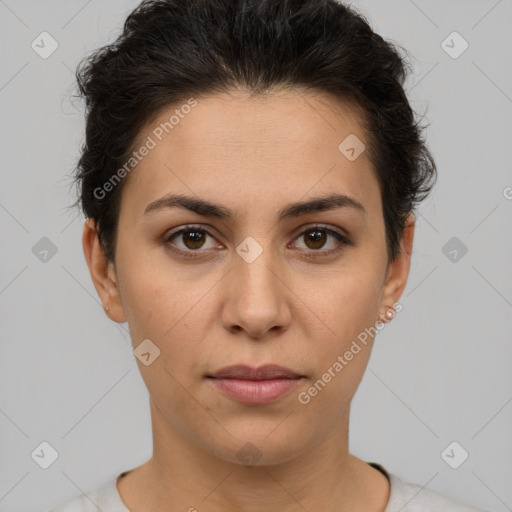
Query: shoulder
105, 498
410, 497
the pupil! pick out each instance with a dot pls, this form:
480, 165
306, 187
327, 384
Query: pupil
195, 237
317, 236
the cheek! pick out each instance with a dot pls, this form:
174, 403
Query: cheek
348, 307
151, 299
347, 303
160, 313
170, 310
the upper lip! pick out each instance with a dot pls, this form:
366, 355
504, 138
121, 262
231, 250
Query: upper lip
265, 372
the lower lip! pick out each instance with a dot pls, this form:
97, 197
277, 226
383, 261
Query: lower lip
254, 391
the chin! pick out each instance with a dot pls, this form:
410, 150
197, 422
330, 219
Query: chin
264, 446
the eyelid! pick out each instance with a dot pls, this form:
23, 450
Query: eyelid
327, 227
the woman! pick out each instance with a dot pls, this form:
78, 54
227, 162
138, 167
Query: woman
249, 179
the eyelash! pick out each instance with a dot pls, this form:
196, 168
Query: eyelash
342, 241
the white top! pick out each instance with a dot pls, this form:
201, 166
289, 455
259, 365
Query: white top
404, 497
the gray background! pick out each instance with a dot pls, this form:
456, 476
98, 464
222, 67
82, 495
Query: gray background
440, 371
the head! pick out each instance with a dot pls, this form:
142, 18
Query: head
249, 177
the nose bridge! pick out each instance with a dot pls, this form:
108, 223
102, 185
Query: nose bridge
257, 299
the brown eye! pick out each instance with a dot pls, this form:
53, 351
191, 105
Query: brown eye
190, 241
317, 237
193, 239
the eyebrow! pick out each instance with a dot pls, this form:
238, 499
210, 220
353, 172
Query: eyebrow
208, 209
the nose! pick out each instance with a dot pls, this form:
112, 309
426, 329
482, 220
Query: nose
257, 298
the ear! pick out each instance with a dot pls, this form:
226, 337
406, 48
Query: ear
102, 273
398, 269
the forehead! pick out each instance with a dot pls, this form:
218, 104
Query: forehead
284, 145
276, 120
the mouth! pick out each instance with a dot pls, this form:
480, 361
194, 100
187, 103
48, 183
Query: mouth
256, 386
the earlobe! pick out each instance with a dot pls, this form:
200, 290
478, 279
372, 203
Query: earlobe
102, 273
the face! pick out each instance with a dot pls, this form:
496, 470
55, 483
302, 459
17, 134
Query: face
253, 281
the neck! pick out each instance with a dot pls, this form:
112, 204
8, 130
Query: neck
183, 474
